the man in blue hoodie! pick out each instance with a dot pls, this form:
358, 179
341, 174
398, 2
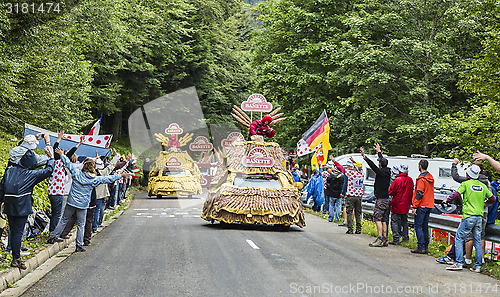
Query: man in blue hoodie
18, 183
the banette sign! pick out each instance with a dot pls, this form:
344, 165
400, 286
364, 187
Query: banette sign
173, 129
257, 157
173, 162
257, 103
201, 144
232, 137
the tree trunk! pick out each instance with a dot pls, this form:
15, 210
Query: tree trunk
117, 125
426, 146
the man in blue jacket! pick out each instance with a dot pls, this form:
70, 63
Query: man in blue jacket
315, 188
18, 183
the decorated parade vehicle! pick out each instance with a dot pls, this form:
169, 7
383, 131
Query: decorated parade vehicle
253, 186
174, 172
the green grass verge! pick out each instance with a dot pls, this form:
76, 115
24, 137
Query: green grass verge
436, 248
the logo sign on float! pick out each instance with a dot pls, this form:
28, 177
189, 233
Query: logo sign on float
257, 157
173, 162
234, 136
203, 181
201, 144
173, 129
256, 102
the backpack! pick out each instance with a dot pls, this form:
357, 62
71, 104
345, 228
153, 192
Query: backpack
338, 182
37, 223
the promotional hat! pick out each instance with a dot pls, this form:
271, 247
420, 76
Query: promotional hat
30, 141
473, 171
403, 168
395, 169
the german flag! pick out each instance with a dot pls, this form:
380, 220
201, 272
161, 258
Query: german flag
318, 133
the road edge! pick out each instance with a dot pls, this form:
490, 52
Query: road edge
13, 275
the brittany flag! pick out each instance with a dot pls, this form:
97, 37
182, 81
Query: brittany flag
318, 133
97, 126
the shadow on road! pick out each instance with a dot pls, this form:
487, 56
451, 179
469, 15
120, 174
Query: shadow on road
255, 227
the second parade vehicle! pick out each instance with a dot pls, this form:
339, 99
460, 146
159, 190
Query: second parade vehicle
253, 186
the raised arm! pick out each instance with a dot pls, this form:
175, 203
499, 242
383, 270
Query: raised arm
42, 159
71, 167
480, 156
337, 164
56, 145
112, 164
109, 178
454, 172
73, 149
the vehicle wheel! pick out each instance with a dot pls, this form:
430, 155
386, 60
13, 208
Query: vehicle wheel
224, 224
158, 196
190, 196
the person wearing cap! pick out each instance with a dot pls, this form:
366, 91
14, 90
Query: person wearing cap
401, 191
423, 203
29, 142
19, 181
262, 127
146, 167
475, 196
469, 243
382, 202
354, 193
295, 174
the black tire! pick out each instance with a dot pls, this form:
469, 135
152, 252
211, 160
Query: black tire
158, 196
190, 196
224, 225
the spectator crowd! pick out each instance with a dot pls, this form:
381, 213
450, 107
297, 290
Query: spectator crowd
335, 189
79, 190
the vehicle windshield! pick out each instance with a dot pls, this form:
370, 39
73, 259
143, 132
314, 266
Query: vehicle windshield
265, 181
173, 172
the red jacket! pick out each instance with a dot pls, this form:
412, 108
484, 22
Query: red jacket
424, 191
260, 129
401, 191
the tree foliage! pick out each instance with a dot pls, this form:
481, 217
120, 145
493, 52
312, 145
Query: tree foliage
60, 71
386, 71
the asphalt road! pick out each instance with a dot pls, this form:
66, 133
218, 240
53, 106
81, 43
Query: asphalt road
163, 248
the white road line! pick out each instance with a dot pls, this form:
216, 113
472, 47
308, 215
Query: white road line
142, 209
253, 245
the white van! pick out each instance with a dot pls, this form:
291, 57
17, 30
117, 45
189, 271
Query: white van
440, 169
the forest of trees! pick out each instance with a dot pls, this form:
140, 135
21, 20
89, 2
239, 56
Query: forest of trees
419, 76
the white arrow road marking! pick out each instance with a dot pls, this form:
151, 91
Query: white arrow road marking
253, 245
